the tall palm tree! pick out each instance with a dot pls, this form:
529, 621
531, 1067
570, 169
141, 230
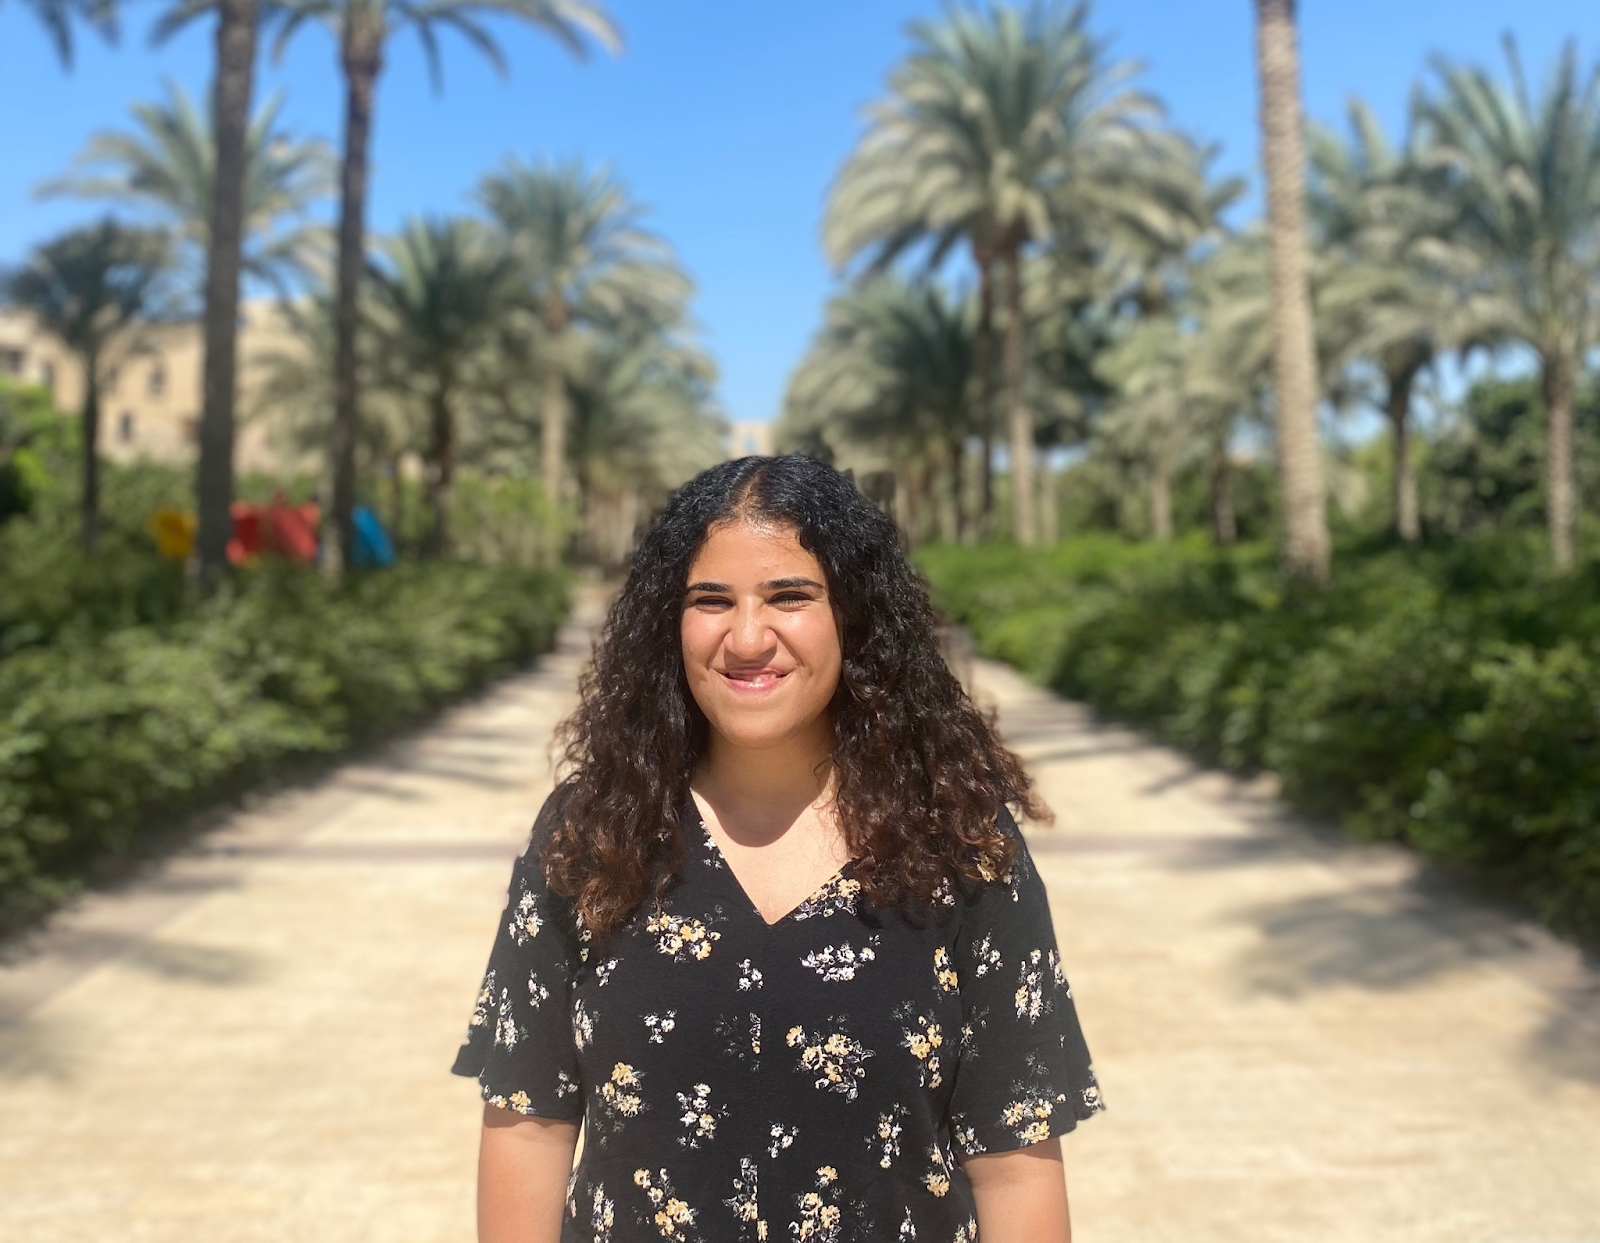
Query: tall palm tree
1524, 175
584, 258
88, 288
1004, 129
435, 304
363, 29
232, 89
1307, 547
56, 16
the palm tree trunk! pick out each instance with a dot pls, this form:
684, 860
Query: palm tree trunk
1305, 517
1561, 503
1161, 500
362, 60
553, 432
956, 451
1224, 519
1049, 513
230, 123
1398, 408
89, 517
983, 364
1019, 422
442, 453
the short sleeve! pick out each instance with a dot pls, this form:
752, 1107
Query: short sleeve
1022, 1070
519, 1042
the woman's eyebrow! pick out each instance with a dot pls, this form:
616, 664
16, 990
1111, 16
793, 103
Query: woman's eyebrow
772, 584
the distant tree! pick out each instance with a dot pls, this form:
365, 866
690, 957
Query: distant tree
1522, 176
1307, 548
363, 29
89, 287
583, 257
1004, 129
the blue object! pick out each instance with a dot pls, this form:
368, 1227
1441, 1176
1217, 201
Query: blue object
373, 545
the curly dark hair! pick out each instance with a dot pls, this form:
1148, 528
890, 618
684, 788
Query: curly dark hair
920, 775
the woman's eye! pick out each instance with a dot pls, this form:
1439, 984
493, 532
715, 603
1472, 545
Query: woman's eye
791, 597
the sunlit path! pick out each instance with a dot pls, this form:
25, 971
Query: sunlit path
1296, 1041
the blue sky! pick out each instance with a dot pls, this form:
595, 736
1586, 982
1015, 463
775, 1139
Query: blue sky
728, 117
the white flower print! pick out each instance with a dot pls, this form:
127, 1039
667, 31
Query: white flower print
525, 922
818, 1221
538, 994
839, 962
837, 896
966, 1138
517, 1102
749, 977
1091, 1095
582, 1025
925, 1040
755, 1033
1058, 971
838, 1061
944, 972
699, 1117
712, 853
566, 1085
908, 1231
620, 1096
887, 1139
673, 1218
1030, 990
681, 939
506, 1034
945, 893
988, 957
660, 1025
967, 1233
602, 1216
480, 1014
602, 971
585, 938
781, 1137
743, 1201
937, 1179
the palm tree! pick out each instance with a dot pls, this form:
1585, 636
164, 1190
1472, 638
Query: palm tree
1306, 543
363, 29
1524, 176
435, 304
1004, 129
56, 16
584, 258
88, 287
168, 163
231, 93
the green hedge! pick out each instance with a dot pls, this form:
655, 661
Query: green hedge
1447, 698
102, 730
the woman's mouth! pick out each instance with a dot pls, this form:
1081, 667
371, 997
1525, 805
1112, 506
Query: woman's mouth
753, 681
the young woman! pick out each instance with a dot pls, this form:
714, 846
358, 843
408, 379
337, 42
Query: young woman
776, 940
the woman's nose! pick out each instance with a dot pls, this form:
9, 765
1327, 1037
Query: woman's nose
750, 635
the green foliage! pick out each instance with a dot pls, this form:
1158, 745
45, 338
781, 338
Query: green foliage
102, 731
1448, 698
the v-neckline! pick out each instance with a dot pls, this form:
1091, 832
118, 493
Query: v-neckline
727, 866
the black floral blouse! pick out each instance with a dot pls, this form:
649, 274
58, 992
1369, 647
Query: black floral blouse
810, 1080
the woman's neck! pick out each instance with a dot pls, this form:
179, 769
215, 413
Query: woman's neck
760, 794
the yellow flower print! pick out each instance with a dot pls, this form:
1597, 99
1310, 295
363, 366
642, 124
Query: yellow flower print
837, 1061
525, 922
937, 1179
681, 939
925, 1040
944, 972
673, 1215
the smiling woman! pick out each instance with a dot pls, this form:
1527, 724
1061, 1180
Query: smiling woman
778, 916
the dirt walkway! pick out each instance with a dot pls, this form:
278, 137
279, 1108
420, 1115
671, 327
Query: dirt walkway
1298, 1042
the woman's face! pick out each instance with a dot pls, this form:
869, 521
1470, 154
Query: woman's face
761, 645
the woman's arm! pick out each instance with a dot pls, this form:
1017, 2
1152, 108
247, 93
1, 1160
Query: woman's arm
1021, 1195
523, 1166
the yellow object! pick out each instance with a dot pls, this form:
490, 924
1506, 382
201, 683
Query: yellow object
174, 530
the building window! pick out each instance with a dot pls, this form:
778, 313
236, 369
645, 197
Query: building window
11, 361
157, 384
125, 427
110, 381
191, 429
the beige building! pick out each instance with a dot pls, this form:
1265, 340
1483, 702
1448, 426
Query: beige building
746, 439
151, 385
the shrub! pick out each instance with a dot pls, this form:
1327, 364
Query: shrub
103, 731
1449, 698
